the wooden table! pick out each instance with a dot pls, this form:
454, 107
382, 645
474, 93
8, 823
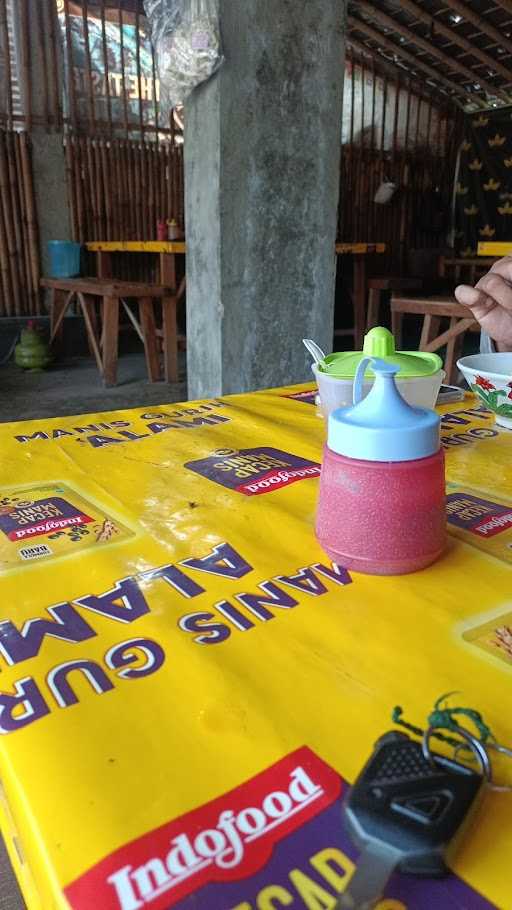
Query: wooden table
464, 269
359, 253
434, 309
169, 250
109, 293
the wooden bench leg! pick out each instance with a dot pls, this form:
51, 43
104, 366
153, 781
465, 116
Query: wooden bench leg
429, 331
453, 350
104, 264
453, 339
59, 302
168, 270
147, 321
169, 305
110, 306
459, 328
397, 321
373, 308
90, 304
87, 304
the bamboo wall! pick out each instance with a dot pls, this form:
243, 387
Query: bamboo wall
393, 131
99, 84
119, 189
411, 220
19, 242
124, 166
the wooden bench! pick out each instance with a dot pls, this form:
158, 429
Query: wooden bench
433, 310
451, 270
104, 345
462, 270
379, 286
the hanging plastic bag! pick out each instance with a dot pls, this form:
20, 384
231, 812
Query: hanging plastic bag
186, 38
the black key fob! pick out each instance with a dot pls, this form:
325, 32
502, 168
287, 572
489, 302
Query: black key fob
412, 806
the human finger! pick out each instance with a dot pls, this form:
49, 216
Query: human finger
503, 267
497, 288
477, 300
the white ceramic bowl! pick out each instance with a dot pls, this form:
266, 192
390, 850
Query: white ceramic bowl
490, 377
420, 392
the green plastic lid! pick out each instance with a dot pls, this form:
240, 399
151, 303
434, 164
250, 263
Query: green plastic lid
379, 342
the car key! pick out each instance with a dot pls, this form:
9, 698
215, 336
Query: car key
403, 813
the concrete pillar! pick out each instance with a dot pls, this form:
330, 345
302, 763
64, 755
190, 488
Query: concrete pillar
262, 154
48, 159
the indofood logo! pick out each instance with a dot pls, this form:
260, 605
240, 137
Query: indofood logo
226, 840
254, 471
37, 519
223, 846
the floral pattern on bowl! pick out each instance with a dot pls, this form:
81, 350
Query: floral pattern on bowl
493, 397
490, 377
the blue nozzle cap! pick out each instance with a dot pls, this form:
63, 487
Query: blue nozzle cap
382, 426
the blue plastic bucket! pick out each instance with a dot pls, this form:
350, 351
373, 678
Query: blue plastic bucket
64, 258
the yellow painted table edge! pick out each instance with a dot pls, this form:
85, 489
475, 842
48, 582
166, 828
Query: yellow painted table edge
161, 246
497, 248
358, 248
136, 246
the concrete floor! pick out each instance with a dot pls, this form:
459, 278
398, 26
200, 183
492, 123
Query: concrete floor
10, 895
73, 387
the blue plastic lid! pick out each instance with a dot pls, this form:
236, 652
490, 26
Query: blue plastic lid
382, 426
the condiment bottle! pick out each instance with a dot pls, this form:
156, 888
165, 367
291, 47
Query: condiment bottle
174, 232
161, 230
382, 487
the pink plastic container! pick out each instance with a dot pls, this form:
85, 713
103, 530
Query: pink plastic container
382, 488
382, 518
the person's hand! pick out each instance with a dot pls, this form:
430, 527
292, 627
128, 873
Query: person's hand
490, 301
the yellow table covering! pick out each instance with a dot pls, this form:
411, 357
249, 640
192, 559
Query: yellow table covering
186, 681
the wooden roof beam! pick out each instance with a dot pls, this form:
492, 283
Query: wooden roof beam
383, 41
453, 35
505, 4
483, 25
384, 66
450, 63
